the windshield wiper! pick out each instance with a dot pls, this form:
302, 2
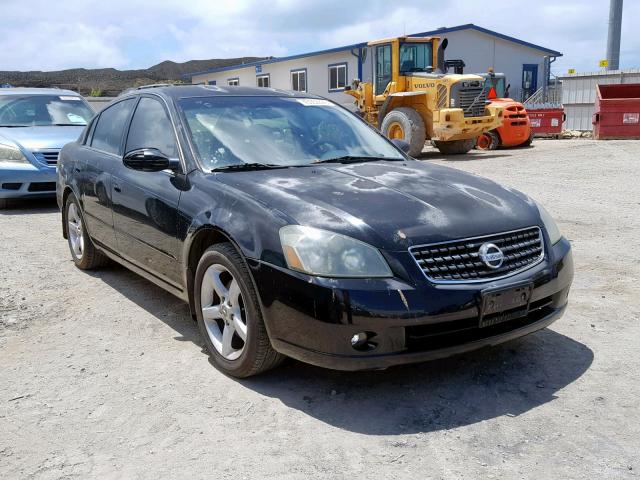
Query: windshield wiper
247, 166
357, 159
13, 126
68, 125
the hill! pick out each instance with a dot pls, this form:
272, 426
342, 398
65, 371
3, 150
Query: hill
110, 81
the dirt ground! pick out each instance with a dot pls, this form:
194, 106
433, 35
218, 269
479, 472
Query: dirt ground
102, 375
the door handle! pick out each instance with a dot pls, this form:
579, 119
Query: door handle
117, 188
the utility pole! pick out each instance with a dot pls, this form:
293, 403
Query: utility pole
613, 38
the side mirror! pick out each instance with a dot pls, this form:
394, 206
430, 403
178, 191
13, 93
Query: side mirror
148, 160
401, 144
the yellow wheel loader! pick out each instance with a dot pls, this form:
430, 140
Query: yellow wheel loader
410, 97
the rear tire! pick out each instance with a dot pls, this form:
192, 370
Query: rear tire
488, 141
84, 253
529, 141
455, 147
406, 124
224, 293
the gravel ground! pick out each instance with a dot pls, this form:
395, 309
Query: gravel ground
103, 374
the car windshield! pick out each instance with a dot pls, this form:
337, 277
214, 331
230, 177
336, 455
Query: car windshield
278, 131
43, 110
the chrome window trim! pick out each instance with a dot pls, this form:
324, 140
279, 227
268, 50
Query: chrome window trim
480, 280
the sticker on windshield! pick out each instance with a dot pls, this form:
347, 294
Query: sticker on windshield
69, 97
75, 118
314, 102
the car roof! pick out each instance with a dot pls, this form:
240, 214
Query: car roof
186, 91
37, 91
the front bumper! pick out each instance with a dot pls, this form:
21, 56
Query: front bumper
313, 319
26, 181
450, 124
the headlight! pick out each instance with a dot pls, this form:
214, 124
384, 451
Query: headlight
328, 254
550, 225
11, 154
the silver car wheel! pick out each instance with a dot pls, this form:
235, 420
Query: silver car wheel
75, 230
223, 311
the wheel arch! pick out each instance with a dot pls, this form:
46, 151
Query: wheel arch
202, 238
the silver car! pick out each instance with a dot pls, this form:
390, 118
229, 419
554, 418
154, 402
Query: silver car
35, 123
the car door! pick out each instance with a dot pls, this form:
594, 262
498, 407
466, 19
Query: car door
101, 156
145, 204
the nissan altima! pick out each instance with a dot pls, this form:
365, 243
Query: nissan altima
292, 228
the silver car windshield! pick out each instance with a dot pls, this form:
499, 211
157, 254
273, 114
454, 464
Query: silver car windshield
284, 131
43, 110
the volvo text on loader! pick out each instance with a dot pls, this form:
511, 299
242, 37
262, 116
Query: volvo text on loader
411, 97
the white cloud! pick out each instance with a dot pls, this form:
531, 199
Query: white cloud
38, 34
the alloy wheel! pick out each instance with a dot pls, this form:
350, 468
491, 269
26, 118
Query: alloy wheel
223, 311
75, 230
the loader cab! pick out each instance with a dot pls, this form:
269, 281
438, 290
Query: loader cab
399, 57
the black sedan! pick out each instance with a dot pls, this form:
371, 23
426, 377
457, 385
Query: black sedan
292, 228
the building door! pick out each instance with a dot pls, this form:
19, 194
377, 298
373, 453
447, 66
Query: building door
529, 80
383, 67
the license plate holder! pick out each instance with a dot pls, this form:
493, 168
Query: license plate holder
504, 304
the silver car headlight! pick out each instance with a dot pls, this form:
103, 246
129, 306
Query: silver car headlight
550, 225
12, 154
328, 254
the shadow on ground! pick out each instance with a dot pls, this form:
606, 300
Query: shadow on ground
511, 379
29, 207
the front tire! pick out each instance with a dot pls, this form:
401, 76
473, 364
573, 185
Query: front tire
405, 124
229, 315
84, 253
455, 147
488, 141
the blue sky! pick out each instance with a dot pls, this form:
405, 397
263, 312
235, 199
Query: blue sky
36, 35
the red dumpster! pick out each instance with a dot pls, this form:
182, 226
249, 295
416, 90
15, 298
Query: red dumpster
546, 121
617, 111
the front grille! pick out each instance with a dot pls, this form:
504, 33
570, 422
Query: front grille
50, 157
11, 186
472, 101
42, 187
459, 260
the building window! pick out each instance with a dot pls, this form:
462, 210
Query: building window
263, 80
211, 82
299, 80
233, 82
337, 76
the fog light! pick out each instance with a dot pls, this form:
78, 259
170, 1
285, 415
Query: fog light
359, 339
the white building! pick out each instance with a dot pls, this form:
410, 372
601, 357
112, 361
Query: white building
326, 72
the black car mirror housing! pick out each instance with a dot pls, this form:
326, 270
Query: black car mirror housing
149, 160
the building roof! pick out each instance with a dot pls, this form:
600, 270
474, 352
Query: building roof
440, 31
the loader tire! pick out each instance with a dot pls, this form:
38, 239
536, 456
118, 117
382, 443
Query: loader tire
455, 147
406, 124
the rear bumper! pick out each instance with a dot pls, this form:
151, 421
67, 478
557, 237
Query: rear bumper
26, 181
313, 320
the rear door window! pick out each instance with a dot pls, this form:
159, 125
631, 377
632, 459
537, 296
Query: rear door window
151, 128
107, 134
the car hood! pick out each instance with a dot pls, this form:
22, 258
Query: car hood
391, 205
39, 138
